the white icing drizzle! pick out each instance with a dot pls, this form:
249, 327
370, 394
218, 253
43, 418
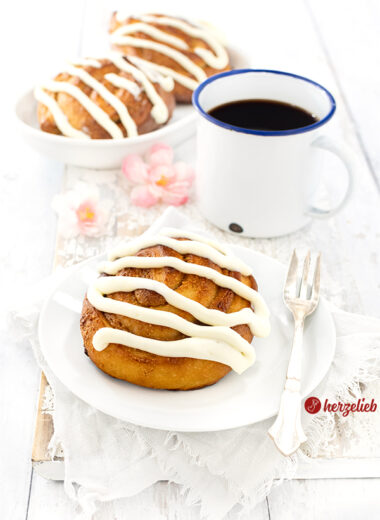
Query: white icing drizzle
216, 342
184, 247
112, 284
165, 81
159, 112
87, 62
127, 121
183, 233
92, 108
218, 59
126, 84
118, 38
59, 117
155, 33
163, 318
146, 262
210, 349
177, 76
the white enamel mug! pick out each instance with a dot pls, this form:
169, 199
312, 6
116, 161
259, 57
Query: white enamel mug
259, 183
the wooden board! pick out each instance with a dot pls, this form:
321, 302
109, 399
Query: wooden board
333, 43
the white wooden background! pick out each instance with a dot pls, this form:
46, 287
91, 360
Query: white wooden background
335, 42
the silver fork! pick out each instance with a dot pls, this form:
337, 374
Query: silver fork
287, 432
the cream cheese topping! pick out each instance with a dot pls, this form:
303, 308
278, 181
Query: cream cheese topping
214, 339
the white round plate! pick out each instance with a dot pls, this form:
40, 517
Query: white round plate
233, 401
106, 153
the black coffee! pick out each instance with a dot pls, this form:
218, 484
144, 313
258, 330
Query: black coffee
263, 114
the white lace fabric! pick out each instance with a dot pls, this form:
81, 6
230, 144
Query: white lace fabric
228, 471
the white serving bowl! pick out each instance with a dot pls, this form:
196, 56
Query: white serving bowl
105, 153
99, 153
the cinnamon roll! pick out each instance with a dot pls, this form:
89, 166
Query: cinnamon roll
104, 99
186, 52
173, 311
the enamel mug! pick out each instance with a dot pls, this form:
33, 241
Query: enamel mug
259, 183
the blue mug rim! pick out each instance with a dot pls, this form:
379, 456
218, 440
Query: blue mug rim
198, 90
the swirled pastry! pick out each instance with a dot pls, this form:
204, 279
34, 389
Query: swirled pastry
186, 52
104, 99
174, 311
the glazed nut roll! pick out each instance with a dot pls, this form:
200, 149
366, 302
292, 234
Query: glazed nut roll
175, 311
108, 98
187, 52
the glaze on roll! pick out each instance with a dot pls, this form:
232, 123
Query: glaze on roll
174, 311
108, 98
186, 52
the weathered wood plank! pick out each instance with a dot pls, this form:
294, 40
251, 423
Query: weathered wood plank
48, 500
327, 499
349, 35
349, 240
44, 425
27, 184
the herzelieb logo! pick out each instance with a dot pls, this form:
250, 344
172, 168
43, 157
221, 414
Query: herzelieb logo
313, 405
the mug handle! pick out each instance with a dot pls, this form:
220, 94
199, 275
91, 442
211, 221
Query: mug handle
342, 151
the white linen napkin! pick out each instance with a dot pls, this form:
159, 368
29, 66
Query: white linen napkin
222, 472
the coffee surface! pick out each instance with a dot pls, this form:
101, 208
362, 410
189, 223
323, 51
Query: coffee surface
263, 114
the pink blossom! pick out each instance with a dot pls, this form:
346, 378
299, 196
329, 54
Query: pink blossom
135, 169
81, 211
158, 179
160, 153
142, 196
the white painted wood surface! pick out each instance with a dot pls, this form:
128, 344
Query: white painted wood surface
333, 42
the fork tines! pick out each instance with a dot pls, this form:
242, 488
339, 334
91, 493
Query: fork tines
297, 286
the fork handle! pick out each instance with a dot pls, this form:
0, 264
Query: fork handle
287, 432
